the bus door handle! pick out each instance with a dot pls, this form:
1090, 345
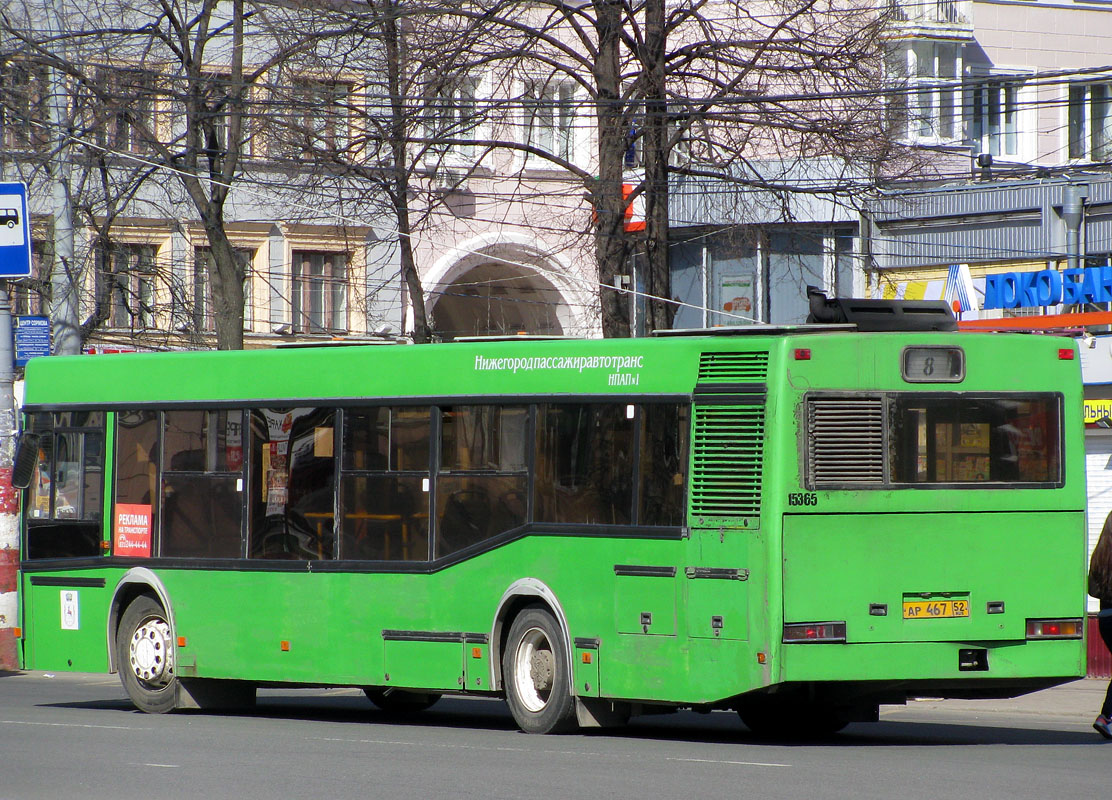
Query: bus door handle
720, 573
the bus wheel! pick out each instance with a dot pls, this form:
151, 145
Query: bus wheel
535, 674
145, 657
399, 700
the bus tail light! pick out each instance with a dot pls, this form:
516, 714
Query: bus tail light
1054, 628
804, 632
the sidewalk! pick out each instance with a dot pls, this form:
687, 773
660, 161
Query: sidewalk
1079, 699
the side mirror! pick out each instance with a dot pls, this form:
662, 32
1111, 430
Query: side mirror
26, 460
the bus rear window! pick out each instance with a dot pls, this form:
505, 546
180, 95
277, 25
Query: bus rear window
963, 439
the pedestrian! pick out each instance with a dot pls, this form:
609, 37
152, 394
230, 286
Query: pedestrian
1100, 587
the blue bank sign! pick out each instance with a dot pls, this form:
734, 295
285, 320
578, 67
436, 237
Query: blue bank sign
1048, 288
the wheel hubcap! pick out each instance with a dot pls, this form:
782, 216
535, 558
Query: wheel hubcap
150, 653
534, 670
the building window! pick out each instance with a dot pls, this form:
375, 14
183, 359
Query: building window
550, 116
1090, 121
319, 120
200, 302
23, 110
133, 286
931, 11
319, 291
451, 118
994, 117
126, 111
928, 110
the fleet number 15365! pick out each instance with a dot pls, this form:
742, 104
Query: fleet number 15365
803, 499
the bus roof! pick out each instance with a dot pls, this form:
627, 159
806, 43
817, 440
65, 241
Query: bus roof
667, 367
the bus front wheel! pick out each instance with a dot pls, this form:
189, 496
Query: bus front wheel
535, 674
145, 657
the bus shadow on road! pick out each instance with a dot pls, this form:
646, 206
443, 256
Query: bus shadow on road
720, 727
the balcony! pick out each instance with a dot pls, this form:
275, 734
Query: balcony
932, 17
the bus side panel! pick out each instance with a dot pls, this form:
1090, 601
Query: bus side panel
282, 626
235, 623
66, 623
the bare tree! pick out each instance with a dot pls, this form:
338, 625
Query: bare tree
752, 94
170, 86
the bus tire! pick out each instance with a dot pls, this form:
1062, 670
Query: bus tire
535, 674
400, 701
145, 656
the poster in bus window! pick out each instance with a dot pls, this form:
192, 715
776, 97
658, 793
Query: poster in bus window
276, 470
233, 442
132, 535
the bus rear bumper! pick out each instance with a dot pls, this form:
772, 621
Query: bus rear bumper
939, 669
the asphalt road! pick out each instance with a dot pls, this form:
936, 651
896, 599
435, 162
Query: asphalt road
76, 736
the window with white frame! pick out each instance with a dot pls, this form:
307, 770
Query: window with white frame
319, 291
1090, 121
550, 116
994, 116
133, 286
451, 117
126, 116
217, 106
927, 108
317, 120
23, 107
203, 313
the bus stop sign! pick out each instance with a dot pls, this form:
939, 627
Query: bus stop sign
15, 231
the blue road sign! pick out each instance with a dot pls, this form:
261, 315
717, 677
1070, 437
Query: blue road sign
15, 231
32, 338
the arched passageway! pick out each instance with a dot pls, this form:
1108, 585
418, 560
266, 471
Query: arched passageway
495, 298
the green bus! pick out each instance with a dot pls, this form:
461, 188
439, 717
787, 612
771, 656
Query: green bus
800, 520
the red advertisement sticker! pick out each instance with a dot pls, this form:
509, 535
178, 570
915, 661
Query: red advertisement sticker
133, 530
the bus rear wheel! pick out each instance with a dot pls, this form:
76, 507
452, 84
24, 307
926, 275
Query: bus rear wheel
535, 674
145, 657
400, 701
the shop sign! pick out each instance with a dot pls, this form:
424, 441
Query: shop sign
1048, 287
1096, 410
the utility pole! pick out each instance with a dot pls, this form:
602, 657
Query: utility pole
64, 277
9, 503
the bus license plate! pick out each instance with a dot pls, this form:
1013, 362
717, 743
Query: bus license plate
935, 609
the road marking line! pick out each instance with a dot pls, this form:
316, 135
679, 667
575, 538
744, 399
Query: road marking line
72, 725
721, 761
164, 766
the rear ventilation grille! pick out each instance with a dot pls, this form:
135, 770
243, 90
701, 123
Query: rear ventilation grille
733, 367
845, 440
727, 457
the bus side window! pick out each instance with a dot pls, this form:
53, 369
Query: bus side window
665, 434
202, 461
584, 464
64, 500
482, 483
384, 484
291, 505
